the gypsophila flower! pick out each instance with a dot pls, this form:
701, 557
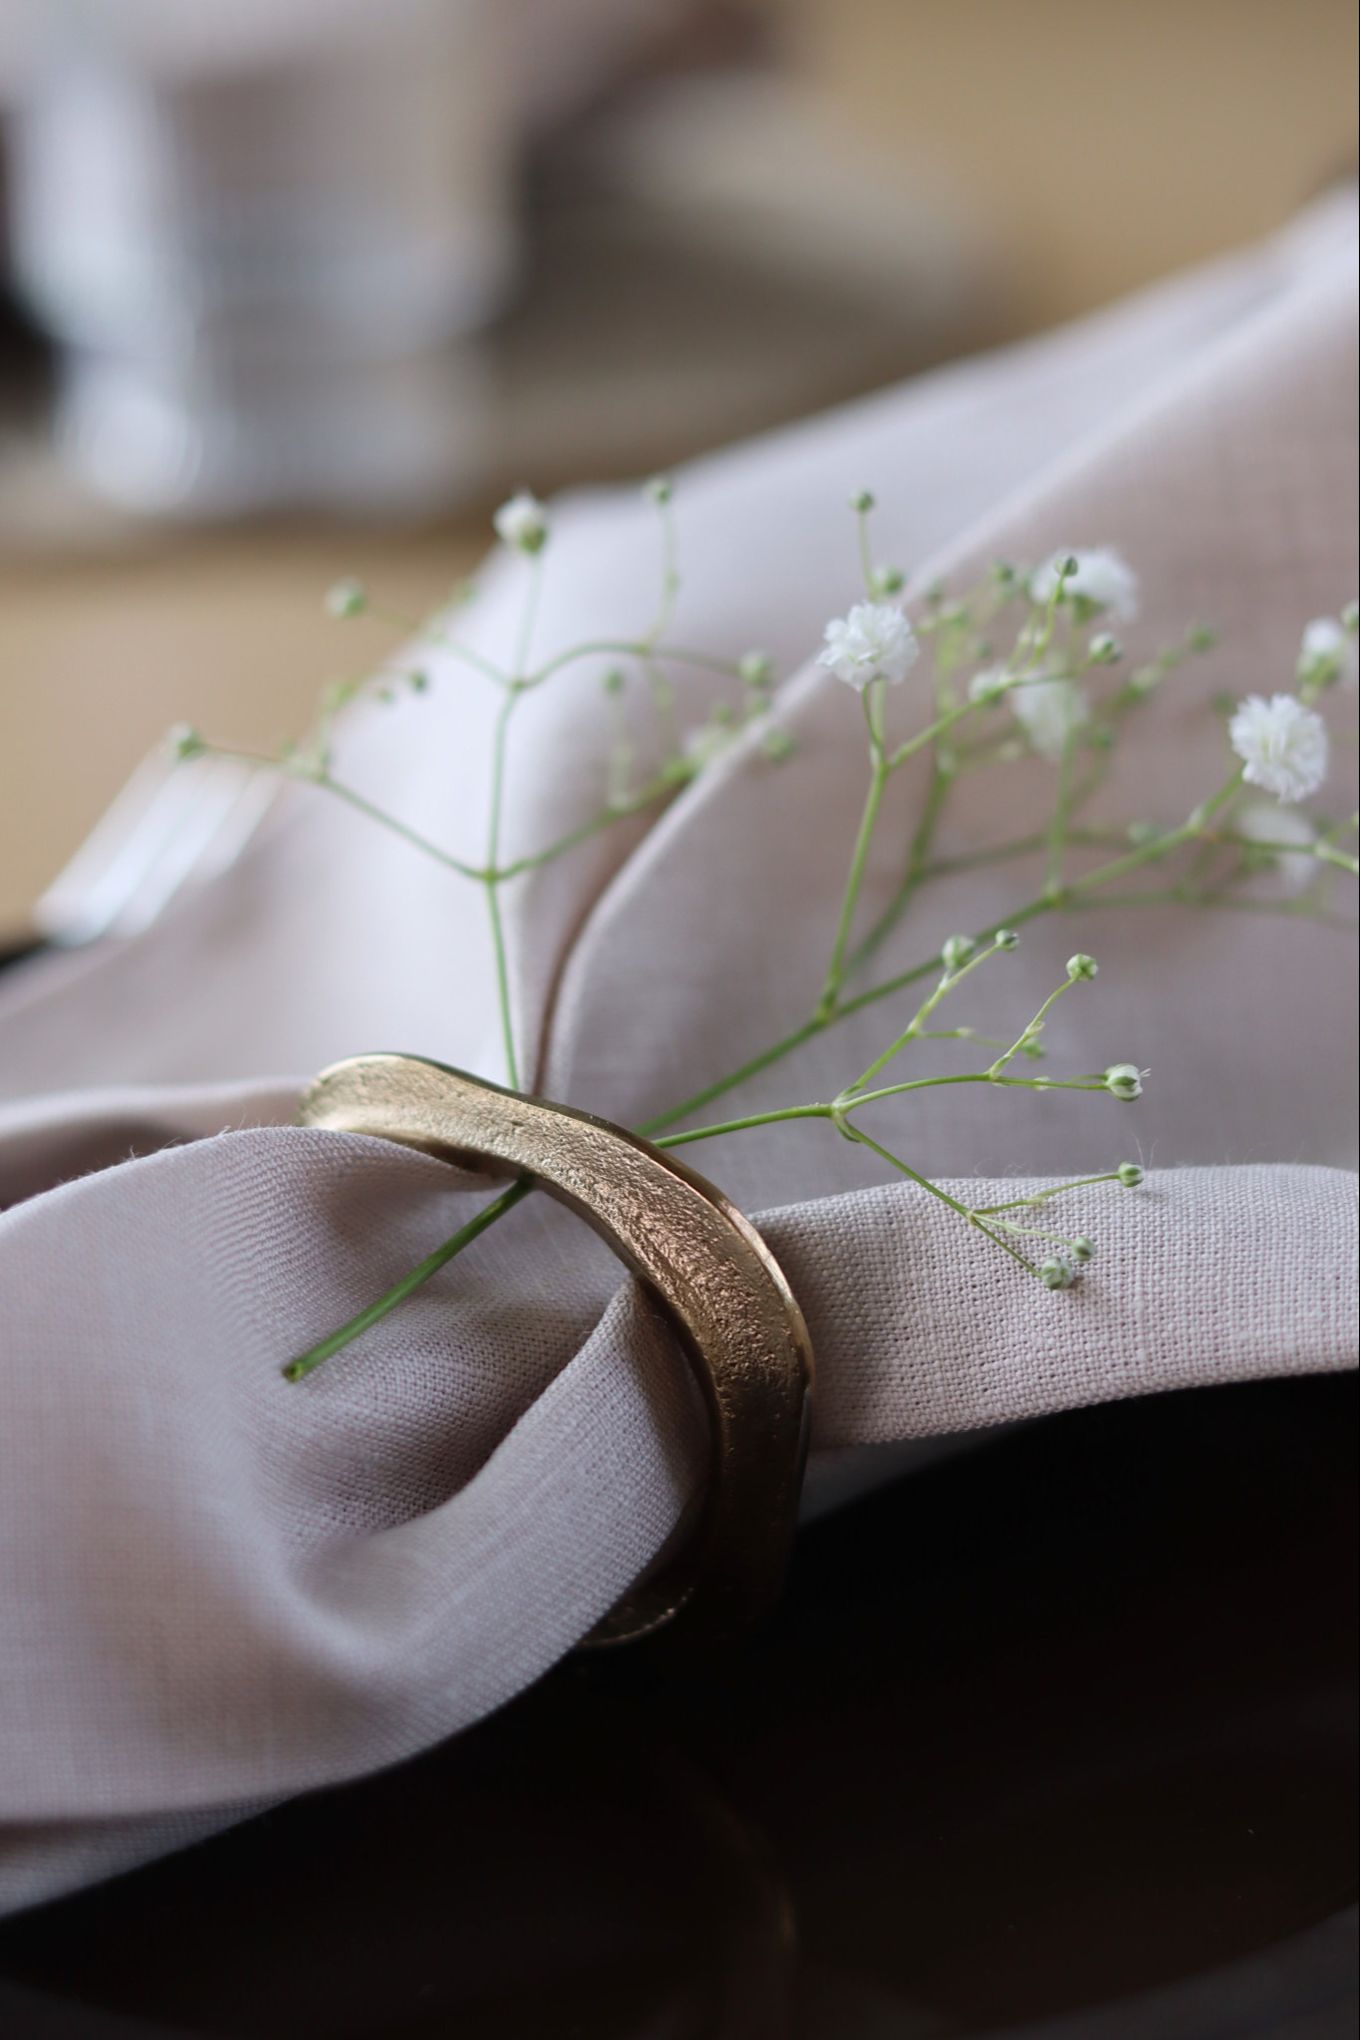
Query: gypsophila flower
756, 669
874, 642
1057, 1273
956, 952
1050, 712
1083, 1249
1105, 650
1081, 966
1103, 580
522, 522
1282, 745
185, 742
989, 685
1131, 1174
887, 581
1006, 938
1124, 1080
346, 598
1270, 823
1327, 653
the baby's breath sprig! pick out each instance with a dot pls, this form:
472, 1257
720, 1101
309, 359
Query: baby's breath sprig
1043, 696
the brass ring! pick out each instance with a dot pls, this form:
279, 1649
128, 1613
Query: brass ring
707, 1267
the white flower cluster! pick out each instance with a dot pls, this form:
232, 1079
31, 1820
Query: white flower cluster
1282, 745
874, 642
1103, 580
1050, 712
1327, 654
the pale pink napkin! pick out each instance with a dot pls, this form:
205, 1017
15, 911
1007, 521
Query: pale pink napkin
216, 1589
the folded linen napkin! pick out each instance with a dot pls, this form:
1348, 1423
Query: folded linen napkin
217, 1589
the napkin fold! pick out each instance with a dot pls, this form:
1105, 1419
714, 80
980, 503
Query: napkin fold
217, 1589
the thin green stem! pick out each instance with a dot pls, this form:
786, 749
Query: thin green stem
904, 1168
923, 1012
1057, 833
301, 1367
669, 1140
753, 1067
941, 783
1034, 1028
492, 885
633, 648
1042, 1196
854, 1100
878, 778
433, 633
358, 801
866, 560
618, 811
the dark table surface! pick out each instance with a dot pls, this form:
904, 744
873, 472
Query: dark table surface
1055, 1737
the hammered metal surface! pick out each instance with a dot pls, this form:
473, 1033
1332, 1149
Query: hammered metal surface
705, 1264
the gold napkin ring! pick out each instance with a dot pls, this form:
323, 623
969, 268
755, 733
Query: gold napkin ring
706, 1266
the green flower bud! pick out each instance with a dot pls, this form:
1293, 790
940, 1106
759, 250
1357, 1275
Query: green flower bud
1130, 1174
346, 599
956, 952
1081, 966
1124, 1080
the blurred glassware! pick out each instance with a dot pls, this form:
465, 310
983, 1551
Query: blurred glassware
262, 236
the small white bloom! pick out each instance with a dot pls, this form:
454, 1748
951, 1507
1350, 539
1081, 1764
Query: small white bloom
1049, 712
1327, 654
1270, 822
1282, 744
1124, 1080
1104, 579
874, 642
522, 522
989, 685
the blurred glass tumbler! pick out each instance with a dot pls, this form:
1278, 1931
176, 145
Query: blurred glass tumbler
259, 261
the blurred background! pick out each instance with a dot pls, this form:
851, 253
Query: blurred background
291, 289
